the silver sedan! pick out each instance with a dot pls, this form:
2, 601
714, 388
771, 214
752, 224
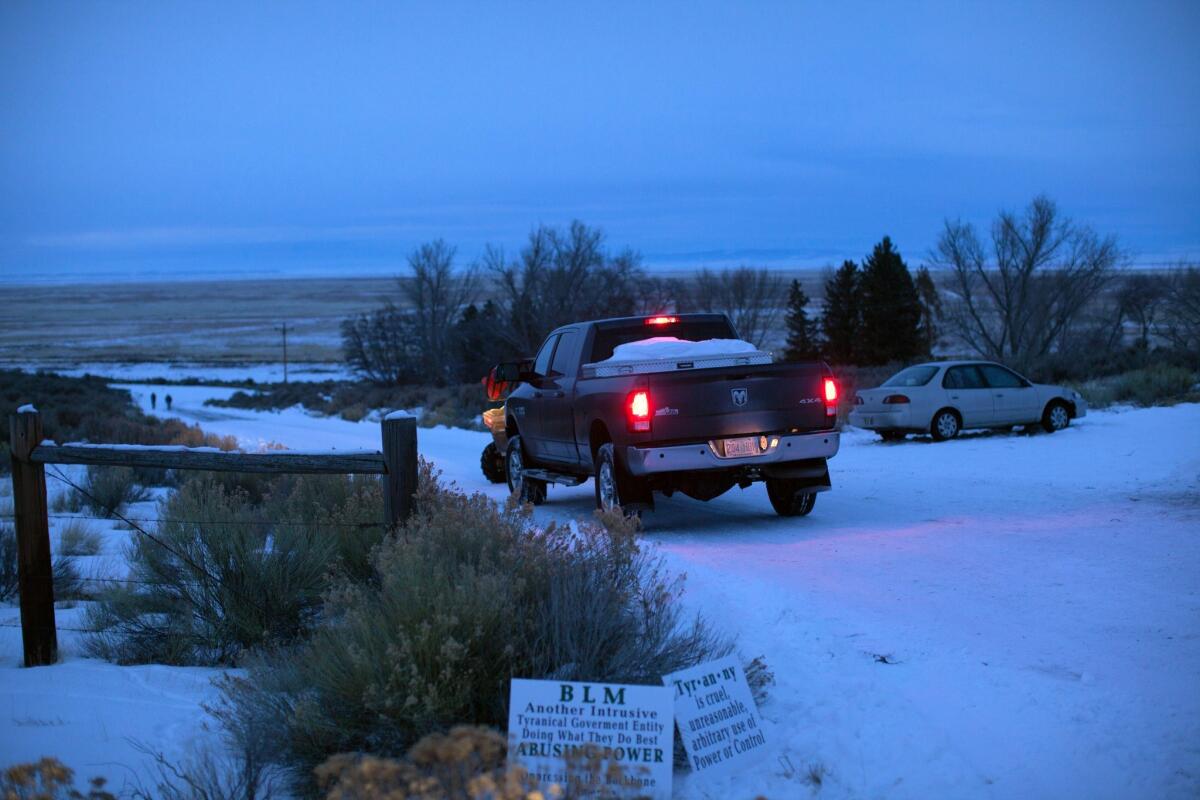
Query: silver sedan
945, 397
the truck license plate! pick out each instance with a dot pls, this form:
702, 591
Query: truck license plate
746, 446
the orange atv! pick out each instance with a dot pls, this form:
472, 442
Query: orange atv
492, 459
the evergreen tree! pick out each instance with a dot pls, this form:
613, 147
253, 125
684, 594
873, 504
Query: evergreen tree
842, 320
931, 309
802, 331
891, 310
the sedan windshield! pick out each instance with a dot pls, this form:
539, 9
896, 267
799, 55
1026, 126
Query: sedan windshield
913, 376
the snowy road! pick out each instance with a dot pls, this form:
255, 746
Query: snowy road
999, 616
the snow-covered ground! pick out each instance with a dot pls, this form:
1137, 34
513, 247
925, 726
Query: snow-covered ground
1000, 616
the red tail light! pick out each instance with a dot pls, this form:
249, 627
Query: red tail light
896, 399
661, 320
831, 397
637, 408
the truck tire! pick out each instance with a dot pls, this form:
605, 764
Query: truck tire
492, 464
613, 486
789, 498
528, 490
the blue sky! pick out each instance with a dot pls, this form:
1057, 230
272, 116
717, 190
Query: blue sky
189, 140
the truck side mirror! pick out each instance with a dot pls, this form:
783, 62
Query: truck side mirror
507, 372
513, 372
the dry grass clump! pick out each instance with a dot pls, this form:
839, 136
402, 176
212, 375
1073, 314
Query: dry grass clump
48, 779
67, 501
106, 490
77, 538
67, 583
467, 763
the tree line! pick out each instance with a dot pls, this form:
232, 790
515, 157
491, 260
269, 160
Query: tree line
1039, 292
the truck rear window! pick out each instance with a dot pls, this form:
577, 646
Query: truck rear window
607, 339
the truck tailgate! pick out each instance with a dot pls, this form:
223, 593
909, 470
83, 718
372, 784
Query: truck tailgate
737, 401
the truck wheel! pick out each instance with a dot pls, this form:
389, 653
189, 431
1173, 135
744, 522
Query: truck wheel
612, 484
492, 464
528, 490
1056, 417
789, 498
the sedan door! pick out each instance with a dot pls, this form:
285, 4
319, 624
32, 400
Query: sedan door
967, 391
1014, 399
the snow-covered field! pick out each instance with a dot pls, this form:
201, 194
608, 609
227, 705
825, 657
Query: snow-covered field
188, 370
1001, 616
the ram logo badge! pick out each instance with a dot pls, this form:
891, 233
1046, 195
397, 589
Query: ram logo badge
740, 396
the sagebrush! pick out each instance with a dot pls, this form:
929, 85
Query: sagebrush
463, 597
236, 562
106, 490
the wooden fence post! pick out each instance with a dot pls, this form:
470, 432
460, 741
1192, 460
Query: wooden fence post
400, 456
34, 570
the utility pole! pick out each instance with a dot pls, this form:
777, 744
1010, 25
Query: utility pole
284, 330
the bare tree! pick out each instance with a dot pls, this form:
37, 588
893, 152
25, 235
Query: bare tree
437, 297
754, 299
561, 277
1181, 315
659, 295
1020, 301
1139, 299
380, 346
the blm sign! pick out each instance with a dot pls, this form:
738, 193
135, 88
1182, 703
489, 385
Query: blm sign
593, 738
717, 718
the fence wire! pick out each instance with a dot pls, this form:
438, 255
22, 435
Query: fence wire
135, 525
209, 578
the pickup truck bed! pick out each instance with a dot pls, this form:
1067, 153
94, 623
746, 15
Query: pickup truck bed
699, 425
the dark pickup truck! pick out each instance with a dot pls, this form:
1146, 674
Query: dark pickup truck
697, 425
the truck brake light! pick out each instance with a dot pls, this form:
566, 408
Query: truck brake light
637, 407
661, 320
831, 397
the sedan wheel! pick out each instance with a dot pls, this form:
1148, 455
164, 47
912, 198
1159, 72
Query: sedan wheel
1056, 418
945, 426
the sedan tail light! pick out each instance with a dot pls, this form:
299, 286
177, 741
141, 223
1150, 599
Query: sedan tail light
895, 399
637, 410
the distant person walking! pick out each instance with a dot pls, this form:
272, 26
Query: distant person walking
168, 399
153, 401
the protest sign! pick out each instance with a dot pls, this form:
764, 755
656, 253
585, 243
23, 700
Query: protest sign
573, 734
718, 720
